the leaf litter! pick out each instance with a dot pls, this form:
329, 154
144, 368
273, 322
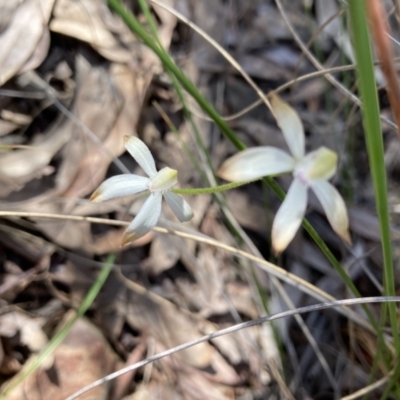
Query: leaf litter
72, 88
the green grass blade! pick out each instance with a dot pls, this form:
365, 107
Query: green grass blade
374, 140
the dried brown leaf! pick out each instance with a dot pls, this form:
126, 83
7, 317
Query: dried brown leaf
85, 20
83, 357
124, 91
22, 42
164, 321
29, 329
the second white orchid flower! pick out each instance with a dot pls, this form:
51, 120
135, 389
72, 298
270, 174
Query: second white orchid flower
309, 171
159, 185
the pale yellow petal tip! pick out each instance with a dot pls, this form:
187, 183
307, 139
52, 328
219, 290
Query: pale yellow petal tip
279, 245
127, 138
345, 235
226, 172
221, 173
279, 105
280, 239
95, 197
277, 251
128, 238
275, 100
130, 138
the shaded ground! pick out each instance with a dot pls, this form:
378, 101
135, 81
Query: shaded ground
75, 81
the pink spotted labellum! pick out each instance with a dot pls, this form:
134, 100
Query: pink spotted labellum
311, 170
157, 183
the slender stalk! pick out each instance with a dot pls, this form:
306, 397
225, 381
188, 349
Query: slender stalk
374, 141
210, 190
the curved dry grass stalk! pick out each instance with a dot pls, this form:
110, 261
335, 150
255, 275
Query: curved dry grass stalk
232, 329
23, 95
198, 113
20, 146
268, 267
326, 72
221, 50
367, 389
330, 78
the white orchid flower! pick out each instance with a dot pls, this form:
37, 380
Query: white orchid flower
159, 184
309, 171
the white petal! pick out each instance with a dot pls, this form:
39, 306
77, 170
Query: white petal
334, 207
141, 153
145, 219
120, 185
289, 216
179, 206
165, 179
318, 165
255, 163
289, 122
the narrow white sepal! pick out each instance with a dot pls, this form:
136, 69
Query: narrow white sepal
255, 163
179, 206
289, 216
292, 128
145, 219
334, 207
141, 153
120, 185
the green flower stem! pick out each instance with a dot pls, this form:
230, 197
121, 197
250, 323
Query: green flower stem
215, 189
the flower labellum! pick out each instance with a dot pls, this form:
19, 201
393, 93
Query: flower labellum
311, 170
158, 183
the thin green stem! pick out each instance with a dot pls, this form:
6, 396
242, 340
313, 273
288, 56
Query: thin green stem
210, 190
